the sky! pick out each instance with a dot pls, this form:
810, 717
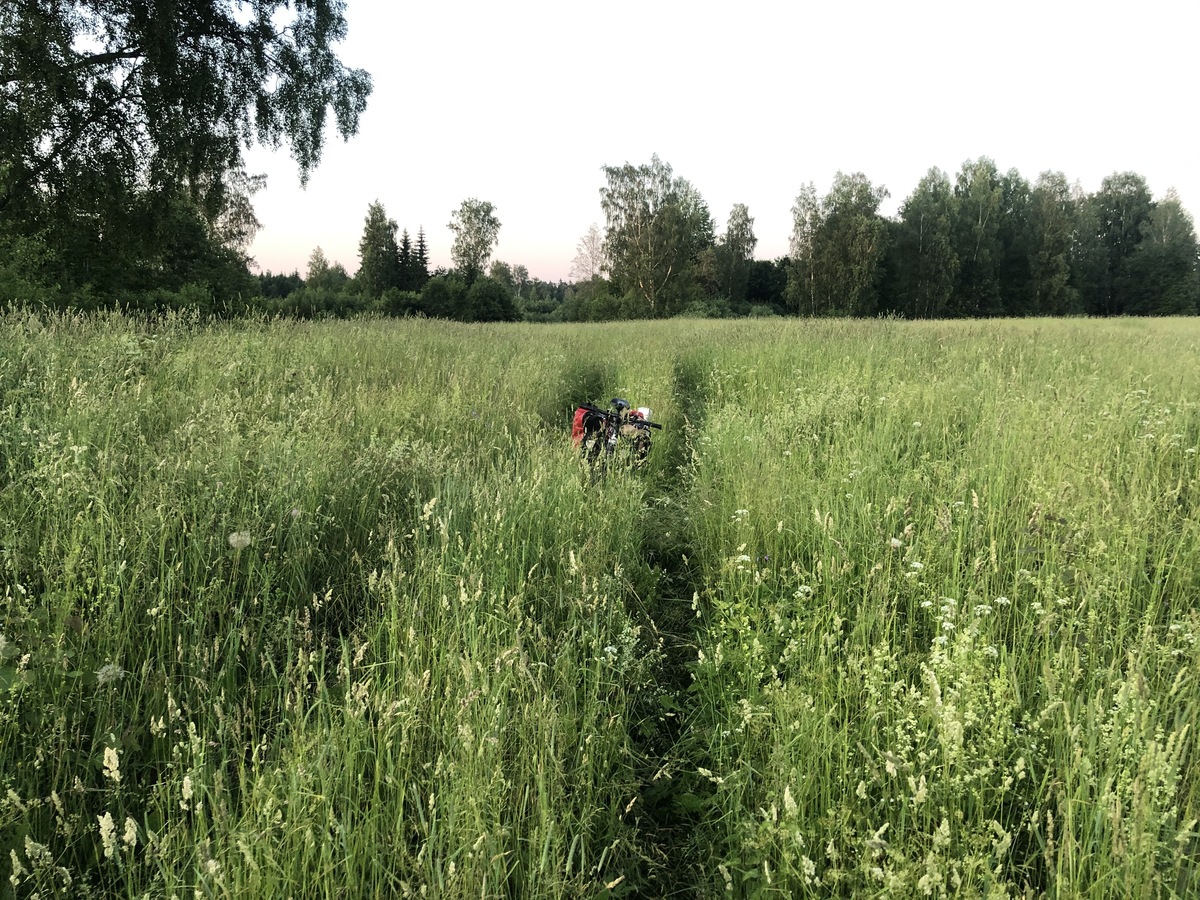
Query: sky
522, 103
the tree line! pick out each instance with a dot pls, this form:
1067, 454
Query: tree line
981, 243
986, 243
122, 181
394, 278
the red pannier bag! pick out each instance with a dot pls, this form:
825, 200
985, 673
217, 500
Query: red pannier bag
577, 427
585, 422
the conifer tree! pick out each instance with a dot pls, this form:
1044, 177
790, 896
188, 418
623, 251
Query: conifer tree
405, 275
421, 259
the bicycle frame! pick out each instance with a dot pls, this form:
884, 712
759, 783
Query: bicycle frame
621, 434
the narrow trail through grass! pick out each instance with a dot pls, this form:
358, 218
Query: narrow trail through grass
667, 547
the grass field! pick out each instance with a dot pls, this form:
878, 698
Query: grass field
331, 610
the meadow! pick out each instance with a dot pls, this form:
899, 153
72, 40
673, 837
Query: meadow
333, 610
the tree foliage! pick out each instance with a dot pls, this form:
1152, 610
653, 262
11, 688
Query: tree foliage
487, 300
1012, 265
802, 281
514, 277
378, 253
924, 264
1111, 227
838, 246
735, 253
1161, 275
476, 231
589, 255
117, 118
1053, 215
980, 198
657, 225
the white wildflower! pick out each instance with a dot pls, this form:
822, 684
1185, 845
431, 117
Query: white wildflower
1002, 601
920, 790
112, 765
916, 566
239, 540
728, 878
38, 854
941, 837
427, 509
789, 802
109, 673
896, 543
19, 871
108, 834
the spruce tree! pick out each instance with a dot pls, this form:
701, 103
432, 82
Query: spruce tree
421, 260
407, 262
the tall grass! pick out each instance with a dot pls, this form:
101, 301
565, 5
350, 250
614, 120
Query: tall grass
949, 636
332, 610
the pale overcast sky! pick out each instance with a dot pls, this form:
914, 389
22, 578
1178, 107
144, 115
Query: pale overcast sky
522, 103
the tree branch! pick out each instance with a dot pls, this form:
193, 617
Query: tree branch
103, 59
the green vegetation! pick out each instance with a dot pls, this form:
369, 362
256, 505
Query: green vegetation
331, 609
122, 131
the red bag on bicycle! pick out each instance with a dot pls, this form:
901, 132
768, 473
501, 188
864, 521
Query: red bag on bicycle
577, 426
585, 422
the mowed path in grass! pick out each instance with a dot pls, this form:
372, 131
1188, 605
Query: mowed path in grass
331, 609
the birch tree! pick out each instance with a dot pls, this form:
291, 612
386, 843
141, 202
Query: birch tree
657, 225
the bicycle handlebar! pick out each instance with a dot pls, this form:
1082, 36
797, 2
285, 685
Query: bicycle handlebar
607, 412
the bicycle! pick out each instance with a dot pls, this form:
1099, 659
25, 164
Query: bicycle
617, 435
